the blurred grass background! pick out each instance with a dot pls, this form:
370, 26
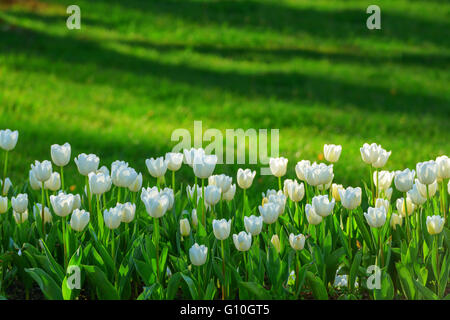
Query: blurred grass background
137, 70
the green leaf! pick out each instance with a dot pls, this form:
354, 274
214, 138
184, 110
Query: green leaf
386, 292
354, 268
364, 231
70, 294
427, 293
256, 289
406, 281
105, 290
317, 286
48, 285
173, 285
191, 285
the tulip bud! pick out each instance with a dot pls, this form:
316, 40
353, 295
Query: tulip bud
123, 176
136, 185
127, 211
87, 163
170, 196
426, 172
20, 217
194, 217
3, 204
204, 165
376, 217
223, 182
269, 212
404, 180
34, 183
42, 170
300, 169
443, 167
198, 254
6, 187
229, 195
212, 195
297, 242
60, 154
37, 210
383, 157
8, 139
332, 152
401, 206
278, 166
221, 228
370, 153
396, 219
54, 183
322, 205
319, 174
382, 203
185, 228
99, 183
312, 217
335, 191
174, 161
156, 204
20, 203
112, 218
62, 204
350, 197
435, 224
253, 224
276, 242
79, 220
296, 191
242, 241
245, 178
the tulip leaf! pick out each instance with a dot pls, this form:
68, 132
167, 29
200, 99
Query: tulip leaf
105, 290
47, 284
364, 231
354, 268
256, 289
318, 288
191, 285
386, 292
68, 293
427, 293
55, 268
406, 281
173, 285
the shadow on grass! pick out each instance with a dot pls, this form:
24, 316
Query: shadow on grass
66, 56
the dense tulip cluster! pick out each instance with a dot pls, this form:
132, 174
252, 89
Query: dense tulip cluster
296, 239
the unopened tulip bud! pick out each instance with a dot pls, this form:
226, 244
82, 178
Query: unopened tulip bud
221, 228
276, 242
435, 224
174, 161
278, 166
79, 220
376, 217
20, 203
427, 171
245, 178
185, 228
198, 254
60, 154
3, 204
297, 242
8, 139
396, 219
332, 152
242, 241
54, 183
87, 163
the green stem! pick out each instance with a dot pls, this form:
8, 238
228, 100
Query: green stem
64, 224
371, 185
62, 178
279, 183
156, 241
407, 217
437, 263
377, 186
173, 182
381, 249
4, 173
43, 207
223, 271
118, 194
88, 191
203, 204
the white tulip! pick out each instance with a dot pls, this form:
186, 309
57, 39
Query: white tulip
242, 241
332, 152
127, 211
99, 183
312, 217
404, 180
245, 178
280, 200
383, 157
37, 210
54, 183
189, 155
229, 195
8, 139
194, 217
136, 185
432, 188
335, 191
76, 202
104, 170
443, 167
319, 174
415, 195
396, 219
297, 242
123, 176
275, 240
34, 183
191, 190
42, 170
156, 204
174, 161
370, 153
79, 220
296, 191
253, 224
87, 163
286, 184
6, 187
204, 165
426, 171
198, 254
300, 169
401, 206
221, 228
62, 204
435, 224
112, 218
382, 203
20, 217
384, 179
20, 203
350, 197
388, 193
168, 192
376, 217
157, 167
322, 205
221, 181
212, 195
185, 228
278, 166
60, 154
3, 204
269, 212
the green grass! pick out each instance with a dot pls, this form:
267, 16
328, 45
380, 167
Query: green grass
137, 70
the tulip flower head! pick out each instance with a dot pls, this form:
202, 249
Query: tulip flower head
242, 241
404, 180
375, 217
335, 191
127, 211
194, 217
253, 224
185, 228
422, 188
112, 218
6, 187
174, 161
198, 254
189, 155
370, 153
8, 139
350, 197
229, 195
269, 212
297, 242
20, 203
136, 185
155, 203
312, 217
332, 152
300, 169
3, 204
415, 196
204, 165
42, 170
123, 176
322, 205
157, 167
384, 179
221, 181
79, 220
296, 191
383, 157
87, 163
427, 171
62, 204
435, 224
319, 174
221, 228
382, 203
54, 183
20, 217
34, 183
275, 240
401, 206
60, 154
396, 219
245, 178
278, 166
443, 167
212, 195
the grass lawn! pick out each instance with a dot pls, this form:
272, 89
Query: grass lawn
137, 70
